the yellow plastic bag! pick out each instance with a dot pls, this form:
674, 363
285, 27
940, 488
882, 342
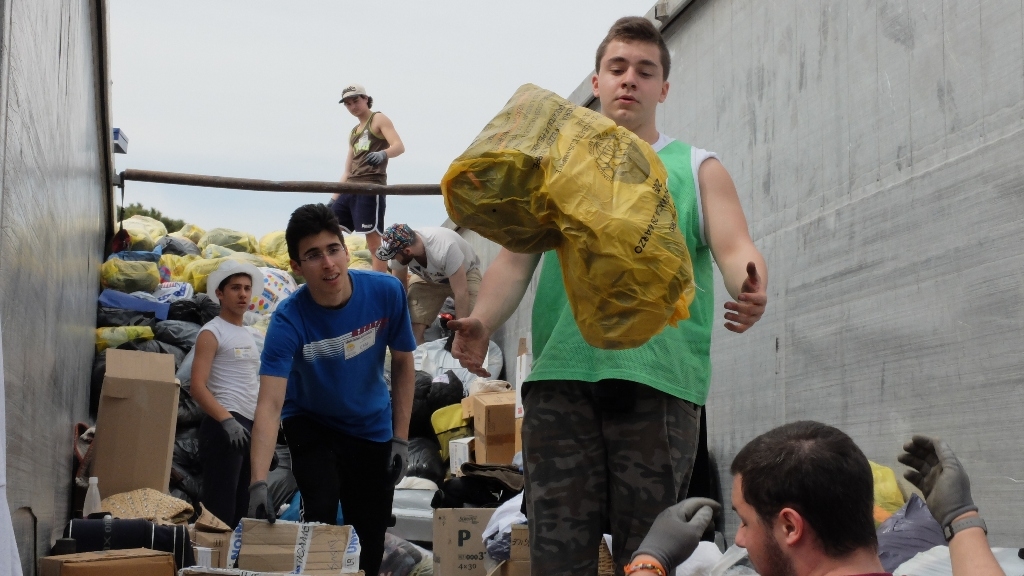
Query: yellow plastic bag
139, 226
172, 267
213, 251
197, 271
114, 337
888, 498
230, 239
449, 425
129, 276
190, 232
274, 248
546, 174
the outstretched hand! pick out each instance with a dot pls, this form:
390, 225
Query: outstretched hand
749, 305
470, 345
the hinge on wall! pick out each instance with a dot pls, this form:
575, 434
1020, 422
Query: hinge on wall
661, 11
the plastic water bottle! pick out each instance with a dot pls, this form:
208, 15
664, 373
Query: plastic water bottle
92, 498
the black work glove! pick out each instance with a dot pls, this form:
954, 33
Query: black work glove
676, 532
375, 158
399, 459
238, 436
260, 505
937, 472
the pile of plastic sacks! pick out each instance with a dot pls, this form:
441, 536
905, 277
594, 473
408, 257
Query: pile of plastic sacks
154, 300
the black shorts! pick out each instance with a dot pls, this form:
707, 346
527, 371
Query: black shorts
360, 213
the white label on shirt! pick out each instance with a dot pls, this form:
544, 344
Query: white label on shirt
360, 343
243, 353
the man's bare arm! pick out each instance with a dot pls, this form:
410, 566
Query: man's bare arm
460, 292
403, 386
382, 124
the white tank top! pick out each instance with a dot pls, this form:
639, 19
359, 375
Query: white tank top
234, 375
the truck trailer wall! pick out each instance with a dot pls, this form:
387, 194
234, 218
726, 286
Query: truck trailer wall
877, 148
56, 166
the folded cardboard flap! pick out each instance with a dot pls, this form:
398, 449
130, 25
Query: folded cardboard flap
136, 422
134, 562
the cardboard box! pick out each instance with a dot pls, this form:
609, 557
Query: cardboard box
305, 548
136, 421
511, 568
520, 549
217, 542
460, 451
494, 449
467, 408
135, 562
494, 415
458, 541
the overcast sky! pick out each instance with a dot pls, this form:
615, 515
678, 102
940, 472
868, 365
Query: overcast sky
251, 89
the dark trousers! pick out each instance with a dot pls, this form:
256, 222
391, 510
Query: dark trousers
331, 467
226, 471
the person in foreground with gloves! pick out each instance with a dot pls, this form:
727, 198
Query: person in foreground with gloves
225, 382
371, 144
804, 495
937, 472
322, 379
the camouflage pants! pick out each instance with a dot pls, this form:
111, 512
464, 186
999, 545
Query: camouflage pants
598, 461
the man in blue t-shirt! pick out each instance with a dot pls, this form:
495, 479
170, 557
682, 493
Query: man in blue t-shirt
322, 379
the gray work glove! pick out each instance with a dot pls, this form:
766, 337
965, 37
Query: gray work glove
375, 158
940, 476
677, 531
261, 507
399, 459
238, 436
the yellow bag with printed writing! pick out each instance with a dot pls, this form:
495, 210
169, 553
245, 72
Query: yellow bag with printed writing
190, 232
125, 276
545, 174
172, 267
230, 239
273, 247
114, 337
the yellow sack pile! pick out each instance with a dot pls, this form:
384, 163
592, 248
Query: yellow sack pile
546, 174
274, 248
190, 232
144, 231
114, 337
230, 239
213, 251
129, 276
359, 257
197, 271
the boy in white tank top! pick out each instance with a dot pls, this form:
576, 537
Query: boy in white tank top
225, 384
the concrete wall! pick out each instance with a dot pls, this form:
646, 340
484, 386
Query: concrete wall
55, 159
877, 147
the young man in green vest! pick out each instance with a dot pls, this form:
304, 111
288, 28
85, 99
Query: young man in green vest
609, 436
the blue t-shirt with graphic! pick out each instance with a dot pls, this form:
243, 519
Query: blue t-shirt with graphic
334, 359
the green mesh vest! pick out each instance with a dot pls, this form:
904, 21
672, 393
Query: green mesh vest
676, 361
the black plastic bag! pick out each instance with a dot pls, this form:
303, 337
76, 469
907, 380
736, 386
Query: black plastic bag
191, 485
178, 246
425, 460
198, 309
190, 414
99, 371
186, 451
177, 333
445, 393
184, 372
419, 423
157, 347
107, 317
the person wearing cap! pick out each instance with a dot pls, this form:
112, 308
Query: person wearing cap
322, 379
225, 384
371, 144
443, 264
